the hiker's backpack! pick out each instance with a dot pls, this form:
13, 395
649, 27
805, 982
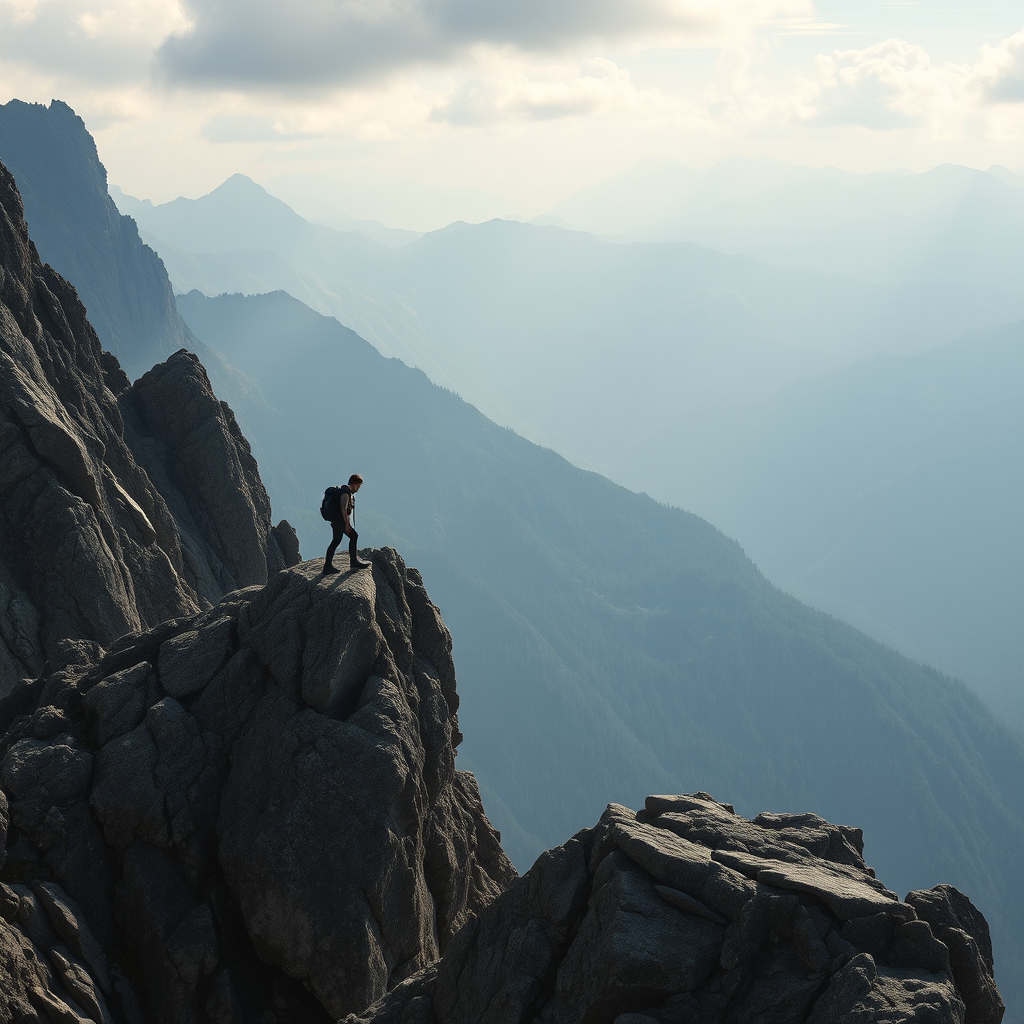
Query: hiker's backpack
330, 507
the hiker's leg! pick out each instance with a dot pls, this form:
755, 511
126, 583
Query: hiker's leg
337, 532
353, 546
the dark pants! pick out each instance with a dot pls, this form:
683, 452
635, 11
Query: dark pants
338, 531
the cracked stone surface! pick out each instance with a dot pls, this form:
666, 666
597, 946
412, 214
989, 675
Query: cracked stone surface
282, 836
687, 913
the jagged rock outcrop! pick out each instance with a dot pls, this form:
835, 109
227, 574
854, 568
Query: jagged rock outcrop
252, 814
120, 507
687, 913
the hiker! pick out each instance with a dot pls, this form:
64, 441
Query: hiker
341, 525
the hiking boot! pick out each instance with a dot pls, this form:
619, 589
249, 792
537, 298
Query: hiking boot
359, 564
330, 570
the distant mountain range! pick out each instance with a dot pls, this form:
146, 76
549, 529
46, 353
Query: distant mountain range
607, 645
891, 494
952, 224
703, 379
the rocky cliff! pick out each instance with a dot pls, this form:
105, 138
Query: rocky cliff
687, 913
82, 235
120, 506
252, 814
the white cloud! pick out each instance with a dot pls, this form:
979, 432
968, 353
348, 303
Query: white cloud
739, 97
891, 85
896, 85
1000, 73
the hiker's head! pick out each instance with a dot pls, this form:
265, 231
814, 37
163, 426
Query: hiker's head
355, 481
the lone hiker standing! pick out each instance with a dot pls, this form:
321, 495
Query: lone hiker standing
341, 525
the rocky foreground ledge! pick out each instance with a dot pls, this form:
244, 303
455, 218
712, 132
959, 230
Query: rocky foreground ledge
251, 814
687, 913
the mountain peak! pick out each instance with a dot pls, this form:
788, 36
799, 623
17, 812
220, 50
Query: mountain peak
240, 184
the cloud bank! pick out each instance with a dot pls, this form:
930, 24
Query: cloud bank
555, 88
337, 42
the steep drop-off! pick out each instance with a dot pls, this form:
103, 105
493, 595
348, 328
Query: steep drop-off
91, 547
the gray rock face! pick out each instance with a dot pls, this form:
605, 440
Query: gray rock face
120, 507
252, 813
192, 449
686, 913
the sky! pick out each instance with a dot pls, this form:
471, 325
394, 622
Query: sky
478, 108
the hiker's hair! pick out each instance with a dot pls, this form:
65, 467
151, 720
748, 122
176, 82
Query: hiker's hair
355, 478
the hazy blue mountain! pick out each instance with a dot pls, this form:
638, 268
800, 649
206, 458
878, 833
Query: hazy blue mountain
607, 645
240, 238
557, 333
892, 494
951, 224
653, 191
314, 210
402, 203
